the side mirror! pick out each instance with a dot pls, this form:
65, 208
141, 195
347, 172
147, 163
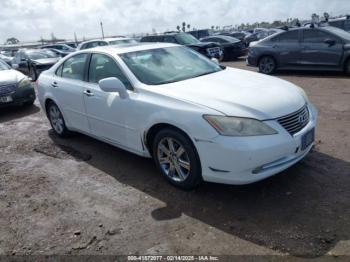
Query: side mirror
113, 84
213, 59
329, 42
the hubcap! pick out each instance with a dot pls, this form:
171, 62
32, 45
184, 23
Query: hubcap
173, 159
267, 65
56, 119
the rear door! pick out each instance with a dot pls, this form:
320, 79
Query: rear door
286, 48
68, 87
317, 51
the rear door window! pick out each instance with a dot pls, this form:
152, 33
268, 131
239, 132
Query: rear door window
74, 67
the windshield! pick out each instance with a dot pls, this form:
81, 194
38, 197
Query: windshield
186, 39
41, 55
339, 32
167, 65
3, 66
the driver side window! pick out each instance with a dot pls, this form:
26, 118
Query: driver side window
102, 66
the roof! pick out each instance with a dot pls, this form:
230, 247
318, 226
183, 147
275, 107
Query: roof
106, 39
120, 49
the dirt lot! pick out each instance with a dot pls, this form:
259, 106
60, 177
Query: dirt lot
81, 196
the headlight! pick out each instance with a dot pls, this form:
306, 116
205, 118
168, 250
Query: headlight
24, 83
237, 126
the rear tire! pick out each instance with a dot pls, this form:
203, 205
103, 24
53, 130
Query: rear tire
267, 65
57, 121
177, 159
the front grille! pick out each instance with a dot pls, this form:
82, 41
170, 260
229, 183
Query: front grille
7, 89
213, 51
296, 121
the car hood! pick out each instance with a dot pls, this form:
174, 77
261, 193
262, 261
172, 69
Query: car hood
241, 93
10, 77
46, 61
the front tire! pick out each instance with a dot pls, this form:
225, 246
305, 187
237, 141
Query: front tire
177, 159
267, 65
57, 121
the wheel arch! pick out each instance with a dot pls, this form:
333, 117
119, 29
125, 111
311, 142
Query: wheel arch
151, 132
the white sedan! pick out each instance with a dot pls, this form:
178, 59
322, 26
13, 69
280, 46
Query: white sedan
198, 120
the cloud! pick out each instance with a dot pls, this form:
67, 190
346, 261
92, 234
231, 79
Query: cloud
32, 19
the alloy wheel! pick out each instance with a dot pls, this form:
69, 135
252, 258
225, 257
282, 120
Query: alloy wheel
56, 119
173, 159
267, 65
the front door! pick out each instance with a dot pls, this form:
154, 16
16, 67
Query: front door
318, 52
107, 111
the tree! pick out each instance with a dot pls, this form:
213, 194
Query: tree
178, 28
184, 26
11, 41
326, 16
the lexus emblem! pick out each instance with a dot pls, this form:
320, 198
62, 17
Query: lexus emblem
302, 119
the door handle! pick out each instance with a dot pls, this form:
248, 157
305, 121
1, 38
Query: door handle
54, 84
88, 93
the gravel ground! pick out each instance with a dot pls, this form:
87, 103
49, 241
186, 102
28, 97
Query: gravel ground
81, 196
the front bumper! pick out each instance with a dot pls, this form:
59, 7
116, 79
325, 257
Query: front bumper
19, 96
245, 160
252, 60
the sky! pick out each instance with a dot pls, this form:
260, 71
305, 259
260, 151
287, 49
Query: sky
29, 20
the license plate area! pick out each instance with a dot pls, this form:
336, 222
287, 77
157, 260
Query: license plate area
307, 139
5, 99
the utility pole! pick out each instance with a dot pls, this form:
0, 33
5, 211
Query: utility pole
75, 38
103, 34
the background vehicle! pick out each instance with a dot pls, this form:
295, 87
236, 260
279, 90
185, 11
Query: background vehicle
232, 47
199, 33
106, 41
321, 48
15, 88
196, 119
342, 23
72, 44
211, 50
32, 62
7, 59
60, 49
